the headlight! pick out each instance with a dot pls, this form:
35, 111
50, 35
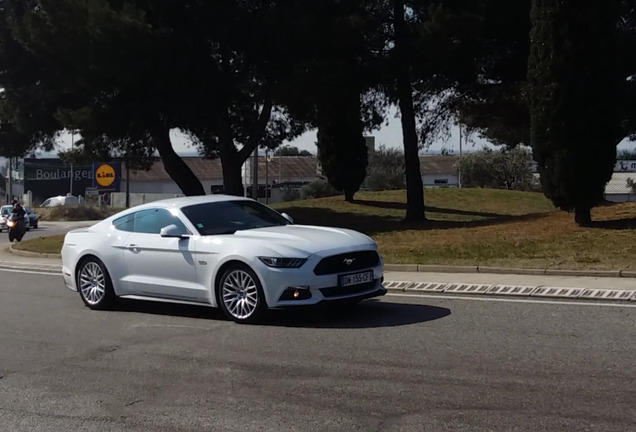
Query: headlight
283, 262
11, 223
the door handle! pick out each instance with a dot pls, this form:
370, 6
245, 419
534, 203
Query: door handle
131, 246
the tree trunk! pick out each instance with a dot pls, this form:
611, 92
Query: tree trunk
176, 168
349, 195
414, 187
232, 166
232, 159
583, 216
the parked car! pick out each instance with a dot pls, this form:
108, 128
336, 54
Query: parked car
33, 218
60, 200
221, 251
5, 211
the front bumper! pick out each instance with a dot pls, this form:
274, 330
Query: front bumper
314, 289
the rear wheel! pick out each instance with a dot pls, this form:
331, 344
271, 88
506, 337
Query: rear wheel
94, 284
240, 294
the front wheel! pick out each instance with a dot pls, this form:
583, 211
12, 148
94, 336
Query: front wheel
10, 236
240, 294
94, 284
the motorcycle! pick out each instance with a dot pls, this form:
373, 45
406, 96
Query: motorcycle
16, 227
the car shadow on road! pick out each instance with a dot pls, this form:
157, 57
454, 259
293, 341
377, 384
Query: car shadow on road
168, 309
367, 314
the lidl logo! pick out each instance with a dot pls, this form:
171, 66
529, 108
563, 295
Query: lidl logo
105, 175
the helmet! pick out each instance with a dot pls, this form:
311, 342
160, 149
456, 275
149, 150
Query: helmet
14, 202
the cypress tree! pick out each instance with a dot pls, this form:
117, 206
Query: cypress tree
341, 146
573, 82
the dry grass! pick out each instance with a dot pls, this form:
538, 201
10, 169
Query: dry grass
50, 244
471, 227
483, 227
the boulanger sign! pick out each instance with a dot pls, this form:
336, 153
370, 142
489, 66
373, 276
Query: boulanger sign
50, 177
78, 173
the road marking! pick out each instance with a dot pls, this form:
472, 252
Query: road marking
516, 300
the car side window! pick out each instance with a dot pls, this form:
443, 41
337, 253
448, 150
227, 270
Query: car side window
125, 223
152, 220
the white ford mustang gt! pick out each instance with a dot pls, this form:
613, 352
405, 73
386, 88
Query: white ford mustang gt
222, 251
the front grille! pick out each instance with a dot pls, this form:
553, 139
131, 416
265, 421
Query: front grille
347, 291
356, 261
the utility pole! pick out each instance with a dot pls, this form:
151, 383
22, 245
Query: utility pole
70, 188
266, 175
280, 163
10, 181
255, 175
127, 181
459, 171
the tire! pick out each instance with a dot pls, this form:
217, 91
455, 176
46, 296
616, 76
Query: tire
240, 295
94, 284
10, 237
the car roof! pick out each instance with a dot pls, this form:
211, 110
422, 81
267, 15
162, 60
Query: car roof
179, 202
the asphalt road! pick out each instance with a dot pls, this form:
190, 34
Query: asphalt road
399, 364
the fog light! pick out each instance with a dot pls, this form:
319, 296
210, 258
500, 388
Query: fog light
296, 293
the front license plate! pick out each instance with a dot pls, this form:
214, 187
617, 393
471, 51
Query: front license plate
355, 278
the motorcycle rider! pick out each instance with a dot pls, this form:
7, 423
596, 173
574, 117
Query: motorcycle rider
18, 209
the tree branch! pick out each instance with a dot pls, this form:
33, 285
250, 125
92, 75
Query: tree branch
259, 129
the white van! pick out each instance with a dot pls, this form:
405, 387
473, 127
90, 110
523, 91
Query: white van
60, 201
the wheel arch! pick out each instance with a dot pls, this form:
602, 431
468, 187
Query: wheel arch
90, 255
221, 270
81, 261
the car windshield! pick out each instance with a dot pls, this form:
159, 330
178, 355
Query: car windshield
227, 217
6, 209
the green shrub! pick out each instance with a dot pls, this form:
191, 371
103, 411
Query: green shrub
386, 170
317, 189
291, 194
78, 213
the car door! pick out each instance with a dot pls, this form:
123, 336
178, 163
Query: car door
157, 266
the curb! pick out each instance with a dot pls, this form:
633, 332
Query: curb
46, 268
510, 291
33, 254
427, 268
419, 268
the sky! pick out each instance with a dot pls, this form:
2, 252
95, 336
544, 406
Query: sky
389, 135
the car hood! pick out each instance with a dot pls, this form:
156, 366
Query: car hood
311, 239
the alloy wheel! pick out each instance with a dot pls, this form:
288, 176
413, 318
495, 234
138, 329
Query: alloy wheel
240, 294
92, 283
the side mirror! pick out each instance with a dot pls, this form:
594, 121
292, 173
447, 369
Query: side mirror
173, 231
288, 217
